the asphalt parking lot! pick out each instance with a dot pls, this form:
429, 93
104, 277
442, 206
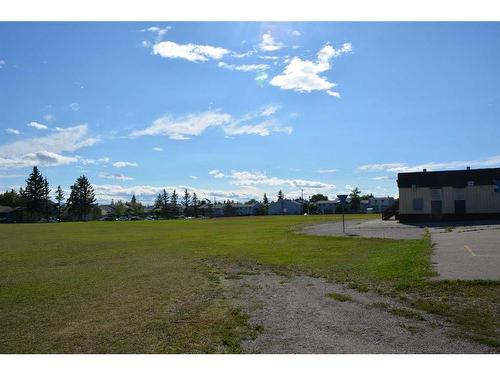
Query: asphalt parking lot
467, 252
462, 251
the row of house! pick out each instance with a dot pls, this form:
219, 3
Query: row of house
371, 205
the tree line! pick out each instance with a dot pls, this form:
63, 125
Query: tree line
35, 203
34, 199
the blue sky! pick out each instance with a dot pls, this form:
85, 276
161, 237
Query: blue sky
233, 110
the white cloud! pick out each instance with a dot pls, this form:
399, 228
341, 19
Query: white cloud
263, 128
215, 173
147, 193
241, 55
190, 52
294, 32
159, 149
46, 151
2, 63
12, 131
243, 68
303, 75
193, 177
269, 110
268, 44
37, 125
123, 164
246, 178
160, 32
100, 161
269, 57
378, 178
186, 127
431, 166
115, 176
74, 106
326, 170
146, 43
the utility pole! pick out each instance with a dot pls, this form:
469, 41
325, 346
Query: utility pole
342, 198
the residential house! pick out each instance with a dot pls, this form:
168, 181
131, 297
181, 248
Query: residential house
285, 207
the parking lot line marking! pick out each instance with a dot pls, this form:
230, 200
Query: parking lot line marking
469, 250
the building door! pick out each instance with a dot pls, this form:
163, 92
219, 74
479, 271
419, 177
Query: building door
436, 207
459, 206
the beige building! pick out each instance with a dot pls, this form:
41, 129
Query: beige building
449, 195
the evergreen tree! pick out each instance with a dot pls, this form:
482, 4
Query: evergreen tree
195, 204
186, 199
165, 204
46, 192
265, 200
281, 196
82, 198
173, 204
355, 199
34, 194
137, 208
59, 198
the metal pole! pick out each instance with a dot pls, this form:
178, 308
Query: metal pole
343, 222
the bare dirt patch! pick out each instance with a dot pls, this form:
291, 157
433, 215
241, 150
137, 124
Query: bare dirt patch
296, 314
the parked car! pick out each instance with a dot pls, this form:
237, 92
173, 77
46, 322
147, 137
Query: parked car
54, 220
107, 218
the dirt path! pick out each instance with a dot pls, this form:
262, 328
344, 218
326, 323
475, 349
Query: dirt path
297, 316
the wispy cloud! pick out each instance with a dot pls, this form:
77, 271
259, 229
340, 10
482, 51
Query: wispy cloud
303, 75
246, 178
2, 63
215, 173
74, 106
123, 164
192, 125
431, 166
190, 52
326, 170
115, 176
37, 125
243, 68
46, 151
160, 32
158, 149
12, 131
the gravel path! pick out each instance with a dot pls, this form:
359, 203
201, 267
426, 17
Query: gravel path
298, 317
367, 228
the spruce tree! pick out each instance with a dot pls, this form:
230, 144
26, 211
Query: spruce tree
173, 204
46, 192
186, 199
165, 204
34, 194
195, 204
82, 198
59, 198
281, 196
265, 200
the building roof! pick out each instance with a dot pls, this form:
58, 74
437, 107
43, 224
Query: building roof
328, 202
458, 178
7, 209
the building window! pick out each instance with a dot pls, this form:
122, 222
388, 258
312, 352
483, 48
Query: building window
459, 194
470, 183
436, 194
497, 186
418, 204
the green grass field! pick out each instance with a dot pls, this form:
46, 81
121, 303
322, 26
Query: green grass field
153, 287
